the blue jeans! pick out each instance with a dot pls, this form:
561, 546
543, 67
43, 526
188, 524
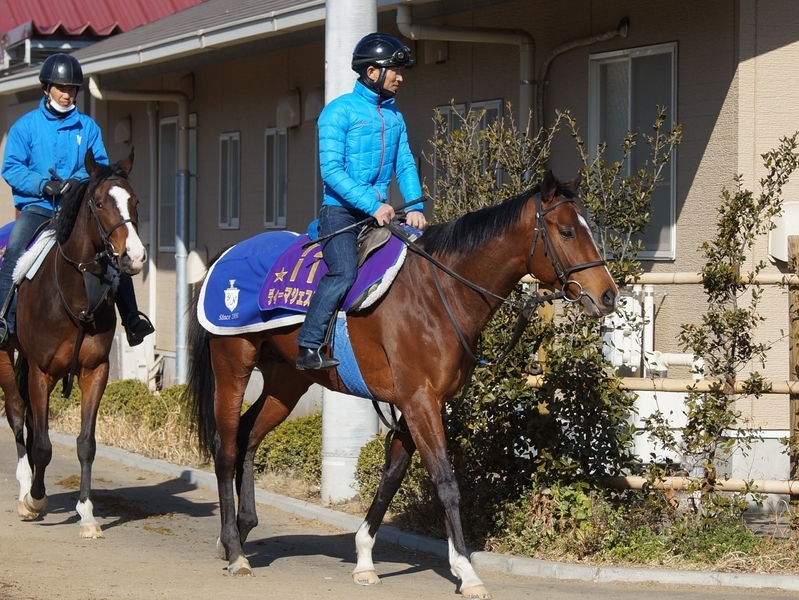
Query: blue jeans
24, 229
340, 253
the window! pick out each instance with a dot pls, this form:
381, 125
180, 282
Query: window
167, 181
229, 180
453, 115
275, 177
626, 88
491, 113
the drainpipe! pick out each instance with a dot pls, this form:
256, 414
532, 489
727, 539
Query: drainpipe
181, 212
620, 31
152, 289
485, 35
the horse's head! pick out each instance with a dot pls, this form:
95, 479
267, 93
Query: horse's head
566, 240
113, 205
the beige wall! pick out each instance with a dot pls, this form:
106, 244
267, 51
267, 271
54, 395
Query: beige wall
738, 63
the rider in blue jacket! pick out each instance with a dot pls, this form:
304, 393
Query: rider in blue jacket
363, 141
55, 136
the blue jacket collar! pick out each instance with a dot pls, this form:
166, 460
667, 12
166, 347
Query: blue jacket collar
369, 95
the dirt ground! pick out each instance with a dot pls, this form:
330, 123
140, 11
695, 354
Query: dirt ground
160, 536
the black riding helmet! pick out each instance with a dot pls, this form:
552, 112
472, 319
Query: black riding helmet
61, 69
382, 51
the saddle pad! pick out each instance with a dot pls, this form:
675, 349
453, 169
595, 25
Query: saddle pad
292, 280
267, 282
228, 302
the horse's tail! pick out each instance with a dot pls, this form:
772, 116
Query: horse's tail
21, 370
199, 393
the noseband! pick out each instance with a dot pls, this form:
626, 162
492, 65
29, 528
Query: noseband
563, 273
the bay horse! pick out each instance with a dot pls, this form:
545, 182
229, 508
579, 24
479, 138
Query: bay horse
69, 303
412, 354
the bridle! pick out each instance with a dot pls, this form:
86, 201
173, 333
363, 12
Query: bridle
561, 271
108, 248
97, 285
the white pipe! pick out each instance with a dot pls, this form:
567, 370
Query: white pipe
152, 269
348, 423
761, 486
484, 35
621, 31
648, 333
181, 213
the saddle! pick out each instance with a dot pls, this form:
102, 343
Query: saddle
371, 239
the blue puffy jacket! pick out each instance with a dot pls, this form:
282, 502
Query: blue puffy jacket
362, 143
40, 141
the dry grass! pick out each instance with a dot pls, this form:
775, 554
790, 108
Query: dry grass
171, 442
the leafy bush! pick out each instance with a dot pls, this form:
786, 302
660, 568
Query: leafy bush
295, 448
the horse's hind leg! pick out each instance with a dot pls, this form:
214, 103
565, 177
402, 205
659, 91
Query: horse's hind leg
232, 360
400, 453
15, 408
39, 446
92, 385
281, 392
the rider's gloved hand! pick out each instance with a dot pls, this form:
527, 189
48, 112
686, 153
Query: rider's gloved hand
68, 185
52, 188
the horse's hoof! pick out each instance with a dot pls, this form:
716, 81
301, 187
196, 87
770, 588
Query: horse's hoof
477, 592
366, 578
240, 568
220, 549
91, 530
34, 506
24, 513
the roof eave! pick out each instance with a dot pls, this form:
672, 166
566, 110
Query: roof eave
304, 16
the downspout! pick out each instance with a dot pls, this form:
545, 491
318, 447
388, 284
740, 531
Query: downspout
181, 212
486, 35
152, 289
620, 31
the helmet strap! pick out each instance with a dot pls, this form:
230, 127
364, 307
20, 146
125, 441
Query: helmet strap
377, 86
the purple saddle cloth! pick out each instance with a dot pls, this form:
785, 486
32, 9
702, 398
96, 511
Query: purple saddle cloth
268, 281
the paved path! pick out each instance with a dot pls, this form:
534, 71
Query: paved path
161, 524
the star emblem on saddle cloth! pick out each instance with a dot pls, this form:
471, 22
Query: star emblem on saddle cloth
280, 275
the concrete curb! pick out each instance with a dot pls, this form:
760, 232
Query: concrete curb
482, 561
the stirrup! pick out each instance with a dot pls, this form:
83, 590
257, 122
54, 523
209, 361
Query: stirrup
137, 327
312, 359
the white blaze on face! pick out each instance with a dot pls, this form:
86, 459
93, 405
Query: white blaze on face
134, 249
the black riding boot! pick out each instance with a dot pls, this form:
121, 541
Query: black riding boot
137, 325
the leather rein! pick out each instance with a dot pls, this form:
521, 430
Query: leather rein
526, 307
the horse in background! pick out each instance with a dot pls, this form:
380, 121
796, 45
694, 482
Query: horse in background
65, 325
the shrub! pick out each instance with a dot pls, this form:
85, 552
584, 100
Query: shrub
295, 448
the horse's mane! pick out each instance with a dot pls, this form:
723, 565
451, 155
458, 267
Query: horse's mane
72, 201
465, 234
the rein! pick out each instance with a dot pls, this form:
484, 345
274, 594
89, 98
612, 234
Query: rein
525, 307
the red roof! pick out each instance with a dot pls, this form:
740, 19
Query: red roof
89, 17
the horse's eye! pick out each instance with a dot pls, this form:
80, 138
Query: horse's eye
99, 205
567, 234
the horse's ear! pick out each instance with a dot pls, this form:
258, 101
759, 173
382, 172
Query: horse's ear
574, 186
127, 163
90, 163
549, 186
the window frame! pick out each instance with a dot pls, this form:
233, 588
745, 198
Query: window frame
232, 196
172, 121
277, 189
665, 251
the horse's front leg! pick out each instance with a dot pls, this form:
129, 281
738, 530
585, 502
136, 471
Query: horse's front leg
16, 414
427, 429
400, 453
92, 385
39, 446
